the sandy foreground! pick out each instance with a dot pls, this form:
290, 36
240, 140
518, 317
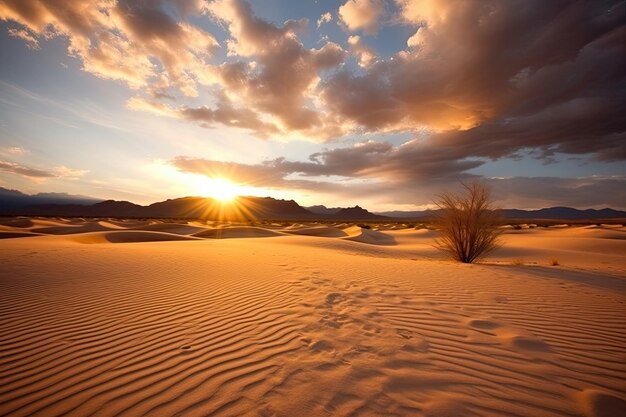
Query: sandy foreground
133, 318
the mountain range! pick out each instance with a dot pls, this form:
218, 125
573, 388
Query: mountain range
550, 213
13, 202
10, 199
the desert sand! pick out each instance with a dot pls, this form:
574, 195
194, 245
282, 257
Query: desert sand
130, 318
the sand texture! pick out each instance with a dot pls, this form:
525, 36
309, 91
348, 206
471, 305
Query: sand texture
131, 318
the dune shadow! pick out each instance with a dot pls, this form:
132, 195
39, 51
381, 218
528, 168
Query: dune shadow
592, 279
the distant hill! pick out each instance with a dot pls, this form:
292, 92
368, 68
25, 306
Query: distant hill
11, 200
398, 214
320, 209
245, 208
565, 213
356, 213
345, 213
108, 208
551, 213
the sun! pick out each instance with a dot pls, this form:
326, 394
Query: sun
219, 189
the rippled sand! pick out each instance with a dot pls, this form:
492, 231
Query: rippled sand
134, 318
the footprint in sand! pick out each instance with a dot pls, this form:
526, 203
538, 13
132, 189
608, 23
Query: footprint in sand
334, 321
521, 342
405, 334
484, 324
530, 344
333, 298
444, 408
320, 281
322, 345
418, 345
597, 403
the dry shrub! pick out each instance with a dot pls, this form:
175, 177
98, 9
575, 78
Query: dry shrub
469, 225
518, 262
553, 262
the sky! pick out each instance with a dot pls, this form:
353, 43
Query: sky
381, 103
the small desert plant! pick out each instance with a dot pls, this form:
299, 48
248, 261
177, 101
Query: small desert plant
517, 262
553, 262
469, 226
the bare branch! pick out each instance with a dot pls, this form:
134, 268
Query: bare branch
469, 225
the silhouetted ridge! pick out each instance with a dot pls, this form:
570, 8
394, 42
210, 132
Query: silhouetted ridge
11, 200
356, 213
321, 209
552, 213
241, 209
14, 202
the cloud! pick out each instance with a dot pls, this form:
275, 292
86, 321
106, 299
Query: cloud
69, 173
134, 42
24, 170
539, 192
380, 173
259, 175
479, 79
474, 80
224, 113
364, 53
14, 150
39, 175
277, 51
362, 14
23, 34
516, 192
366, 160
324, 18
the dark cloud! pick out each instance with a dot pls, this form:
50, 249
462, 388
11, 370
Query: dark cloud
225, 113
36, 174
368, 160
391, 181
478, 79
515, 192
493, 77
488, 77
24, 170
260, 175
538, 192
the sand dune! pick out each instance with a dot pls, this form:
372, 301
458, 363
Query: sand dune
128, 223
127, 236
236, 232
179, 229
65, 229
319, 231
16, 222
9, 234
307, 326
372, 237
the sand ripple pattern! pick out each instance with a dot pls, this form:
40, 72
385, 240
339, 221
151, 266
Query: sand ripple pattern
299, 326
103, 345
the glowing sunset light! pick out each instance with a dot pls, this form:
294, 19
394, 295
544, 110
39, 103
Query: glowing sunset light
271, 207
219, 189
381, 103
